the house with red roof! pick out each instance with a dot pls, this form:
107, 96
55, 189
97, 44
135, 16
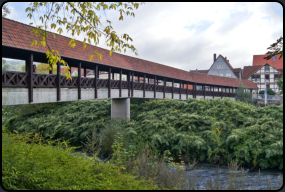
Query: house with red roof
263, 75
275, 61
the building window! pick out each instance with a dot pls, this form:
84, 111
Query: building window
257, 77
228, 75
267, 86
221, 74
274, 58
276, 77
266, 77
266, 67
253, 78
219, 66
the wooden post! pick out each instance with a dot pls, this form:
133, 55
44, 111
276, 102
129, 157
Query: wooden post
187, 91
96, 75
129, 83
79, 81
109, 83
164, 88
144, 85
195, 89
204, 92
172, 88
221, 92
133, 84
138, 79
58, 81
154, 82
180, 91
120, 84
29, 69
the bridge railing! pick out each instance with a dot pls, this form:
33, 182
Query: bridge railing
20, 79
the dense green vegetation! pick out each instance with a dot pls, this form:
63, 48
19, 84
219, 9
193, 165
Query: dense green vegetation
32, 163
269, 92
214, 130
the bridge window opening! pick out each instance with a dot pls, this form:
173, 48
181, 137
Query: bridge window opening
199, 87
13, 65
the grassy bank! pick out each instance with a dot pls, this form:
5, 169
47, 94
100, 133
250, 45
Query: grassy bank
216, 131
32, 163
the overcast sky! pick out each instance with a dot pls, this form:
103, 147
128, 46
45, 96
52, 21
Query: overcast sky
186, 35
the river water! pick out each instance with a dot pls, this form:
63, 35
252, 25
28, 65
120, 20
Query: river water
210, 176
207, 176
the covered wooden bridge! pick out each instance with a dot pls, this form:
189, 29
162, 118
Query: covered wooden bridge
39, 88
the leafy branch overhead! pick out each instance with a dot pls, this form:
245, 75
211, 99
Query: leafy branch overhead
80, 18
275, 49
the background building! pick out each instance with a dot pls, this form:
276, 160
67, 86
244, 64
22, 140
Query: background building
221, 67
261, 75
275, 62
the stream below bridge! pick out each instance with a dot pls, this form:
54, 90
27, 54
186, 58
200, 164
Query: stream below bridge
206, 175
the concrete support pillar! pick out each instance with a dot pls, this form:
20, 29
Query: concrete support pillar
120, 108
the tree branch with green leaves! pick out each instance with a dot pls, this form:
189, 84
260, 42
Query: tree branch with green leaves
79, 18
275, 49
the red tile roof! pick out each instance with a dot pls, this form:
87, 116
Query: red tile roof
280, 70
24, 40
250, 70
259, 60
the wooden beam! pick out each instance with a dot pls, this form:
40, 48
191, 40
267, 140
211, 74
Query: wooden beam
138, 78
113, 74
58, 77
133, 84
120, 84
29, 69
195, 88
79, 81
172, 88
96, 74
187, 91
154, 82
221, 92
129, 83
164, 88
204, 92
180, 90
144, 76
109, 83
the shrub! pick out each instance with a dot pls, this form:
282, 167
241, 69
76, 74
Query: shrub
269, 92
50, 165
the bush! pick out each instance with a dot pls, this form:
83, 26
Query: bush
30, 163
269, 92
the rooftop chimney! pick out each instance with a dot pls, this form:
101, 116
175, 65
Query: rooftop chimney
228, 61
225, 58
215, 58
